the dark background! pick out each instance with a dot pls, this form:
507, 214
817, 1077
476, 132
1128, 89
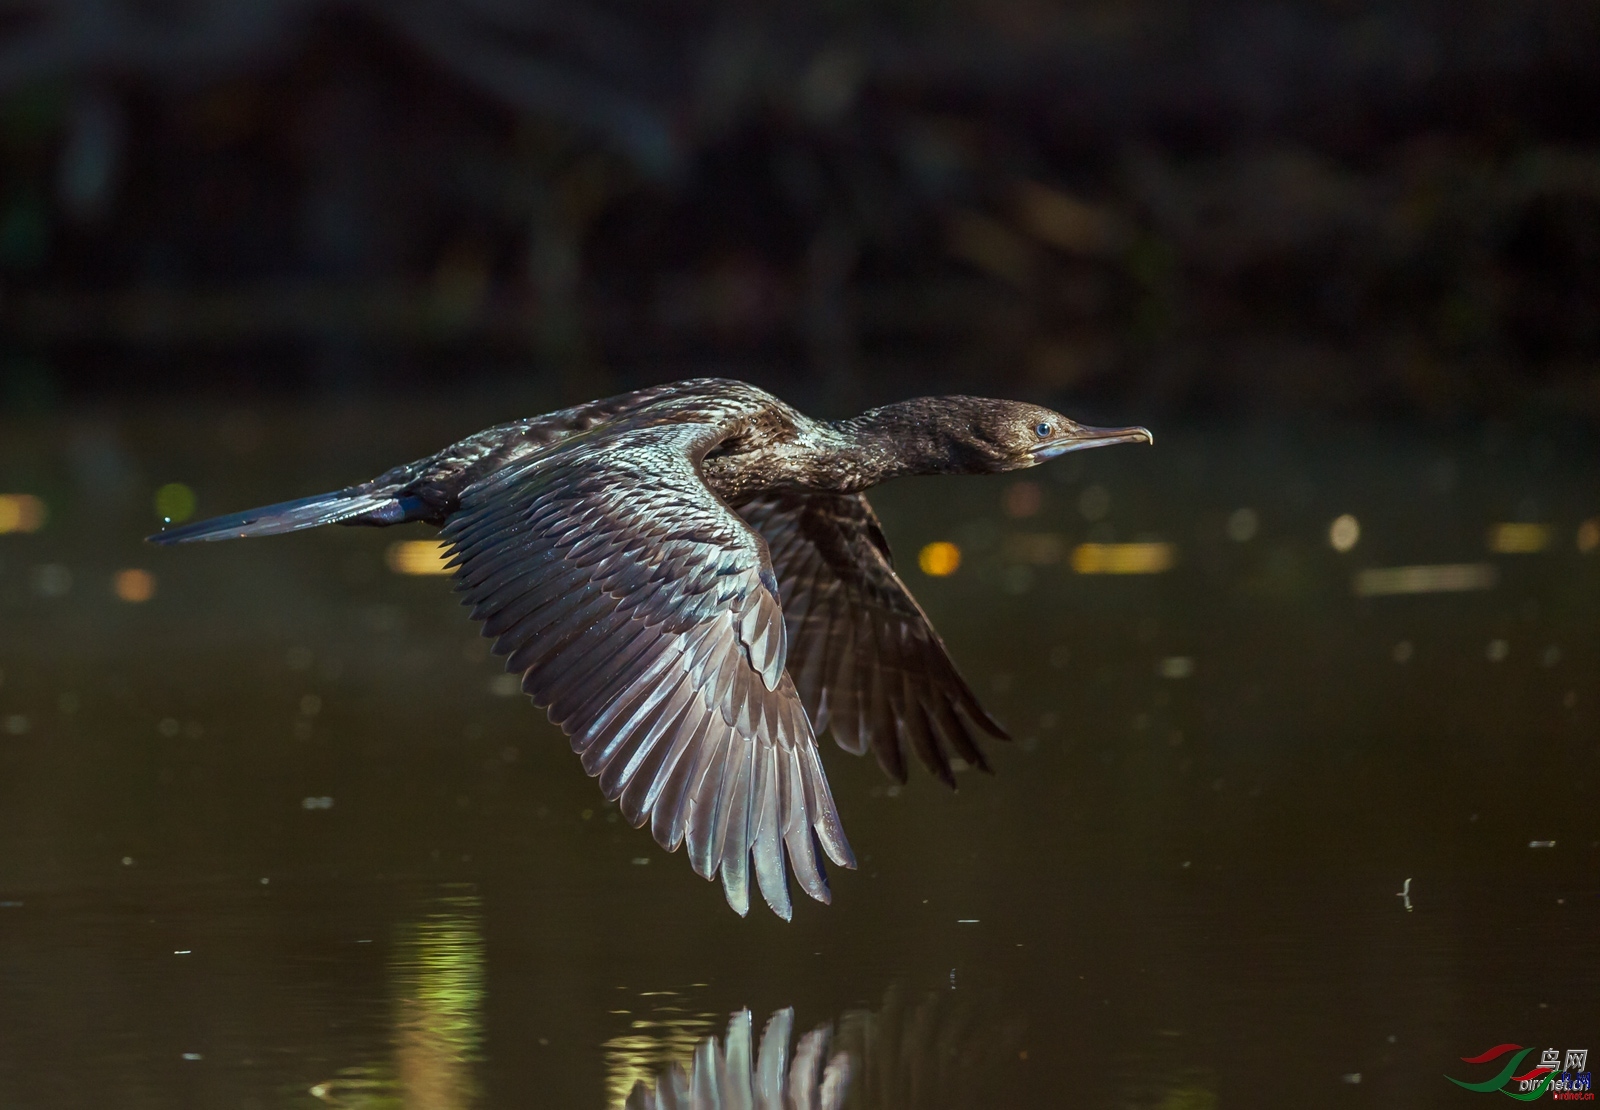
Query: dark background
1178, 207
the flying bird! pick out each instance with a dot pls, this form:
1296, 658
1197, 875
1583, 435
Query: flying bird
690, 581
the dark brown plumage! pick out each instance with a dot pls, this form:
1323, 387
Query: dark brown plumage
689, 579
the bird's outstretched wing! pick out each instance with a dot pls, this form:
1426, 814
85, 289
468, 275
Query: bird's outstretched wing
643, 613
866, 660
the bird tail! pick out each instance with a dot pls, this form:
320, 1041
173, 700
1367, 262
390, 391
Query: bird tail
287, 516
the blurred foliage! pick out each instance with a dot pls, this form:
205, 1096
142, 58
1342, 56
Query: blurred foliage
1348, 205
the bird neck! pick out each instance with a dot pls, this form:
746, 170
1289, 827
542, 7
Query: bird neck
895, 441
841, 456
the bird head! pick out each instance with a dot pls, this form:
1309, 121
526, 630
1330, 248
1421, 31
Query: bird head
987, 436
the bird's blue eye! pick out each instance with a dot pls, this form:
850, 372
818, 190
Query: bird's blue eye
1043, 430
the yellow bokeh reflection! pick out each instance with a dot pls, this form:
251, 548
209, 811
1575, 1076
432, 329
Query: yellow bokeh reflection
134, 585
1440, 578
1123, 558
417, 557
651, 1046
1192, 1097
437, 976
175, 503
21, 512
939, 559
1518, 539
1344, 533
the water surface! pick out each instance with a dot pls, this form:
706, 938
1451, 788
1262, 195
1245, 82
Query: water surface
277, 836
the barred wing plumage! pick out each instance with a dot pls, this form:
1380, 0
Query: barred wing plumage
644, 615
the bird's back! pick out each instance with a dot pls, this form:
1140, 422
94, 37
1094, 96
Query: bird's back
440, 478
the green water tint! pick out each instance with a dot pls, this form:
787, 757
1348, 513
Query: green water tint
437, 975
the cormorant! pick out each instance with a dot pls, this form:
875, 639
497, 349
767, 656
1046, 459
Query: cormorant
690, 581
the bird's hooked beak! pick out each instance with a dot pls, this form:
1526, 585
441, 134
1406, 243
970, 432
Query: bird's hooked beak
1082, 438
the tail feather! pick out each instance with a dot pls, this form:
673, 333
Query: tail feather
286, 516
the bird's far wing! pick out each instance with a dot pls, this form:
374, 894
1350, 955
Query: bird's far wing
644, 615
866, 660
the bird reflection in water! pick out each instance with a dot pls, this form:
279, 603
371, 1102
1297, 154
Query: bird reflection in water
935, 1053
733, 1073
437, 975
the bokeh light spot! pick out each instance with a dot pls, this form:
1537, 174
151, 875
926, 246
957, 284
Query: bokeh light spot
134, 585
1176, 666
417, 557
939, 559
1123, 558
21, 512
1344, 533
1518, 539
52, 580
1242, 525
1433, 579
1589, 535
175, 502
